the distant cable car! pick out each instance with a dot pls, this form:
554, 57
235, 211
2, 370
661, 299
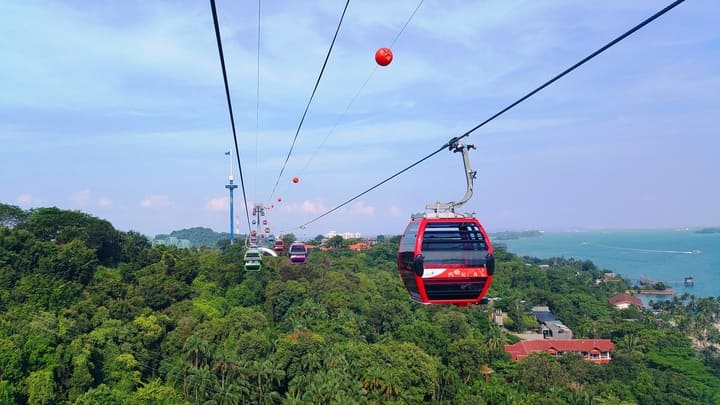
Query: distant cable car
298, 253
446, 257
279, 245
267, 230
264, 221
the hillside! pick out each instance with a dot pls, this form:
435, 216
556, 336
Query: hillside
91, 315
198, 236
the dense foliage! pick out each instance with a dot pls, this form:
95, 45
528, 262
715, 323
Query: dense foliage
92, 315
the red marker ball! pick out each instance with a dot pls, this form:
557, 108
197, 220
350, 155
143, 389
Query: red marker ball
279, 199
383, 56
295, 179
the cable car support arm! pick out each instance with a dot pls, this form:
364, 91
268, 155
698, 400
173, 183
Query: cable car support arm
456, 146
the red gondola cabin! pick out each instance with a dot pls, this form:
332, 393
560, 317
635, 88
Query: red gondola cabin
446, 259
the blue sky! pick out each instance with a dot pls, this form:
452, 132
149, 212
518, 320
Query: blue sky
117, 108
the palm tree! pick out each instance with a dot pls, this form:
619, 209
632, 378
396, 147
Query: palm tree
202, 381
196, 348
495, 338
631, 343
226, 363
231, 394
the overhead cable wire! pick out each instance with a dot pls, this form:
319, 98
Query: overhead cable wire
307, 107
229, 103
357, 94
257, 102
406, 23
504, 110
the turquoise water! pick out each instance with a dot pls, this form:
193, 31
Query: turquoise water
667, 256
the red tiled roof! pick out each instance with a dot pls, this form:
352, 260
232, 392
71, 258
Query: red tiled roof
527, 347
625, 298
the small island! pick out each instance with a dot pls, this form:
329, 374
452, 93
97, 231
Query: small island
513, 235
709, 230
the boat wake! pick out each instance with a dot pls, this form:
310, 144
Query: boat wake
677, 252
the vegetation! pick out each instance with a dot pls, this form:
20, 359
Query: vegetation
91, 315
198, 236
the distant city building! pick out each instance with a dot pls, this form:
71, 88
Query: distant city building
344, 235
592, 350
623, 301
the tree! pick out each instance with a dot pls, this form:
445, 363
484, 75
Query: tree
540, 372
336, 241
156, 393
54, 224
73, 261
41, 387
202, 383
11, 216
288, 238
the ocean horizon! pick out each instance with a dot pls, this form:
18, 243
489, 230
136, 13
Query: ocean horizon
666, 256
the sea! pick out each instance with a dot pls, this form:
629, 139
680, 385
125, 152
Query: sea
659, 255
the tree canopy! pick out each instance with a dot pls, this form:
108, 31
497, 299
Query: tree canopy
89, 314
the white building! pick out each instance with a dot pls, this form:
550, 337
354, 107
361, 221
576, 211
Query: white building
344, 235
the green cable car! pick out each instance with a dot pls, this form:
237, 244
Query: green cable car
253, 260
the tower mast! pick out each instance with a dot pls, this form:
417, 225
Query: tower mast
230, 186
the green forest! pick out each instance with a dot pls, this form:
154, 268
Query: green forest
93, 315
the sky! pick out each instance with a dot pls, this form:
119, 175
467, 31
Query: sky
117, 109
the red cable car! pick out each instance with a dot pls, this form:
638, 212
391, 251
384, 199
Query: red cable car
446, 257
446, 260
279, 245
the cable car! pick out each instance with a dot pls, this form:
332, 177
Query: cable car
446, 257
446, 260
298, 253
253, 259
279, 245
264, 221
267, 230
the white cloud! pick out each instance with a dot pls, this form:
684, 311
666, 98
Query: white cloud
361, 208
85, 198
307, 207
156, 201
81, 198
25, 199
221, 204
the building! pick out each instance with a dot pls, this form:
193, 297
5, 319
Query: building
551, 327
344, 235
497, 317
359, 246
593, 350
623, 301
